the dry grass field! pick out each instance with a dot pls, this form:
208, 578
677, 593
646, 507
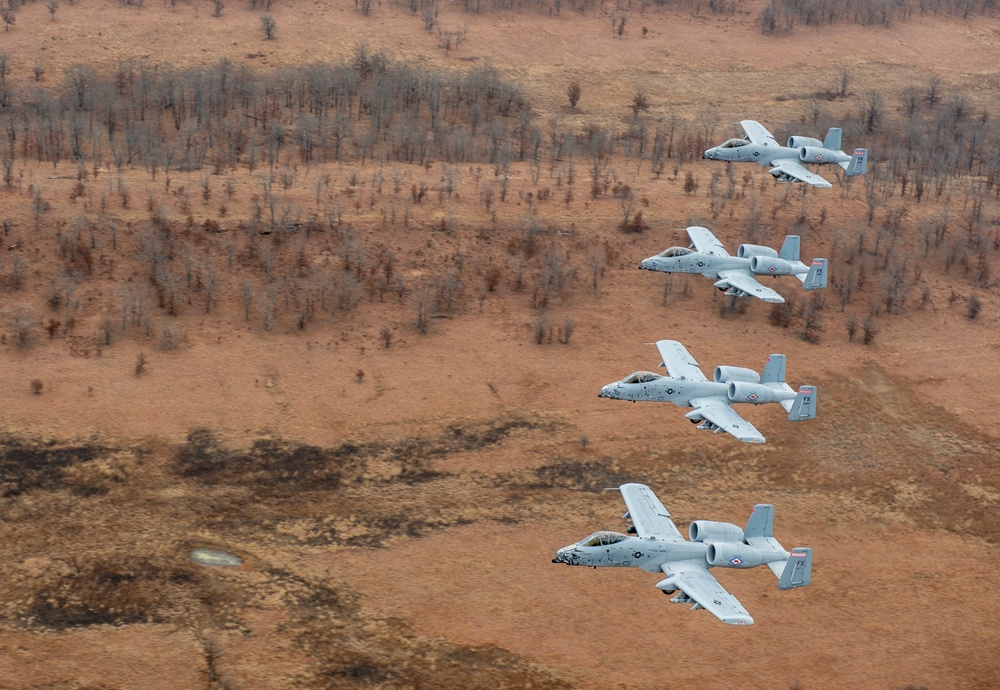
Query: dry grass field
373, 374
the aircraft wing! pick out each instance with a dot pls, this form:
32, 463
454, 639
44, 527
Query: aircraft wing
678, 361
792, 168
695, 581
705, 242
741, 280
719, 413
648, 515
757, 133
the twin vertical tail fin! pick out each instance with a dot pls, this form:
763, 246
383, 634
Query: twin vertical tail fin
761, 522
832, 141
798, 569
816, 277
790, 248
793, 571
804, 406
774, 370
858, 165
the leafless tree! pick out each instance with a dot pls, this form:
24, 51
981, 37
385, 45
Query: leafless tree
23, 329
933, 92
640, 103
843, 81
871, 330
870, 111
8, 16
269, 27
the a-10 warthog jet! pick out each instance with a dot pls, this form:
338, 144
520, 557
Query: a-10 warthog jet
737, 275
686, 386
658, 546
759, 146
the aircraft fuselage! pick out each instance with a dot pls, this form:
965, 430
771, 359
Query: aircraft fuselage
648, 554
665, 389
695, 262
764, 155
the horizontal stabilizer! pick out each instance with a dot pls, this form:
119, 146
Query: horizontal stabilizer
798, 569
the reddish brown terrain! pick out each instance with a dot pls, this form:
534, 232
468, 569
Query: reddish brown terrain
387, 405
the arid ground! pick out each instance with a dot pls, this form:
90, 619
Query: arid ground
396, 453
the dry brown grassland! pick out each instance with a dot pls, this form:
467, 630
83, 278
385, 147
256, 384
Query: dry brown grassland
340, 303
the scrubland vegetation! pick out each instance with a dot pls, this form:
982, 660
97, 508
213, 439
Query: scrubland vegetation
278, 195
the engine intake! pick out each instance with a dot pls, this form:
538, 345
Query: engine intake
770, 266
726, 374
817, 154
738, 555
799, 142
706, 531
746, 251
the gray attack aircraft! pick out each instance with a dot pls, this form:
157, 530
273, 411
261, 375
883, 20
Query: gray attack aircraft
759, 146
737, 275
659, 547
686, 386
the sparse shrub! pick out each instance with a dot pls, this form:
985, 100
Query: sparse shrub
37, 386
541, 326
567, 331
852, 324
973, 307
781, 314
169, 338
636, 225
690, 184
573, 93
23, 327
871, 329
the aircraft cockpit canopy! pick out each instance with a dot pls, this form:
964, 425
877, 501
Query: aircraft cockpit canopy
603, 538
734, 143
641, 377
676, 251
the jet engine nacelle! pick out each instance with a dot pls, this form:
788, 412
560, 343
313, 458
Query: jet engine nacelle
727, 374
817, 154
754, 394
799, 142
770, 266
706, 530
737, 555
747, 251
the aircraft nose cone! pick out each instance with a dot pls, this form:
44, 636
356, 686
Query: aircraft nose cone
564, 555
